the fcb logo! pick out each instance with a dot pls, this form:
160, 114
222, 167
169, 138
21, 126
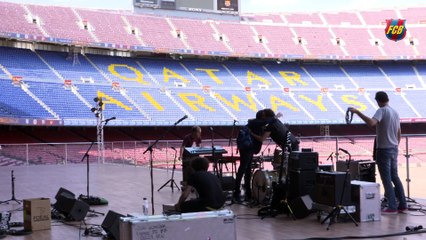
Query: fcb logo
395, 29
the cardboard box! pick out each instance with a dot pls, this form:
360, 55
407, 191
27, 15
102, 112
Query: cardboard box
37, 214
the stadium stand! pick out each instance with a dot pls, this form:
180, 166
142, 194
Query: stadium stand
16, 20
342, 18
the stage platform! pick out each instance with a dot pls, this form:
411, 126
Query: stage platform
124, 187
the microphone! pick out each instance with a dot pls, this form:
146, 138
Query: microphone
180, 120
235, 121
173, 148
211, 129
330, 156
109, 119
345, 151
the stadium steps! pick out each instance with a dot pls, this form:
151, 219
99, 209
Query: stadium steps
74, 90
182, 108
128, 98
80, 19
25, 88
50, 67
130, 27
98, 69
422, 82
147, 72
182, 34
7, 161
296, 36
6, 71
224, 38
38, 24
264, 42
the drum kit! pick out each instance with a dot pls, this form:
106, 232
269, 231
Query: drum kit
263, 180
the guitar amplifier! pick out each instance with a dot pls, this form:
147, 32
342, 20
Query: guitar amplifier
199, 225
330, 186
362, 170
303, 161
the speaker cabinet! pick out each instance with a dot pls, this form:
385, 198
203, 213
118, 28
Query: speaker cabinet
73, 209
303, 161
362, 170
301, 206
301, 183
329, 188
111, 224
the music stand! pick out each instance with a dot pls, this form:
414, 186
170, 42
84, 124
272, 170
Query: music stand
172, 180
339, 207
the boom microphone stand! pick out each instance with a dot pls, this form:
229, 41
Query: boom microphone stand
13, 199
338, 209
172, 180
150, 150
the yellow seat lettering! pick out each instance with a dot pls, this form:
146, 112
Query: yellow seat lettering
236, 101
106, 99
112, 68
292, 78
211, 74
195, 101
317, 103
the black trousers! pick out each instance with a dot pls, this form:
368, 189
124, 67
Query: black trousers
246, 158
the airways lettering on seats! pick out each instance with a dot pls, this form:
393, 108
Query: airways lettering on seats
112, 68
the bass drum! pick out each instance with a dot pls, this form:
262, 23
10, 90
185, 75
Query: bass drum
262, 188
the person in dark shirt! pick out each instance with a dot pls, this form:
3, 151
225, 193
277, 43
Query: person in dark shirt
277, 131
191, 139
208, 187
246, 157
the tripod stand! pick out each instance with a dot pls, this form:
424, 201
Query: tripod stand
407, 162
12, 199
338, 209
172, 180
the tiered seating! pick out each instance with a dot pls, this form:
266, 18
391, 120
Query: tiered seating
303, 18
360, 101
280, 40
14, 21
342, 18
291, 76
415, 97
207, 72
401, 74
419, 33
252, 75
109, 27
25, 64
156, 32
329, 76
126, 71
63, 102
76, 72
169, 73
367, 76
199, 35
357, 41
396, 101
201, 106
414, 15
61, 22
319, 41
263, 17
156, 104
392, 48
240, 103
15, 103
378, 17
241, 38
320, 106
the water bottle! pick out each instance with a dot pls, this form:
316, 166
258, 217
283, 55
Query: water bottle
145, 207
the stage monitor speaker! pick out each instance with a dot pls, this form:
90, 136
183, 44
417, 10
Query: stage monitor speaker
73, 209
64, 192
301, 206
111, 224
329, 187
362, 170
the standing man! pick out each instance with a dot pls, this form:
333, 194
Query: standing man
191, 139
388, 136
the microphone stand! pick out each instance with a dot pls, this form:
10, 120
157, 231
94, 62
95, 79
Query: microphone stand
13, 199
330, 157
230, 144
215, 168
338, 209
150, 149
171, 180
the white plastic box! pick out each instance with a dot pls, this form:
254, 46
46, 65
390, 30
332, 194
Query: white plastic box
201, 225
366, 196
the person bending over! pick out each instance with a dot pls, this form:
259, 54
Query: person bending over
208, 187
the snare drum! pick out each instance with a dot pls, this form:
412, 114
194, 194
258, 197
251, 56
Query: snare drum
262, 185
